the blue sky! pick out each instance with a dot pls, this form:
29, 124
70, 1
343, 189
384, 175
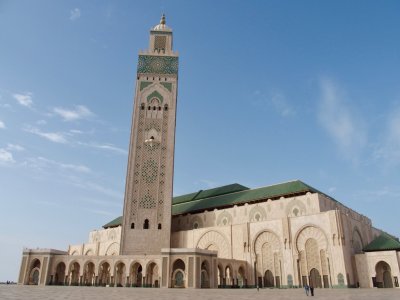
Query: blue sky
269, 91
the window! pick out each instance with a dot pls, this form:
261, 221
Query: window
146, 224
159, 225
195, 225
133, 226
142, 106
166, 107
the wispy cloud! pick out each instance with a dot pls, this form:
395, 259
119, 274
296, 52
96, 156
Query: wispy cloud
15, 147
389, 150
109, 147
2, 125
55, 137
6, 156
275, 99
74, 14
99, 188
80, 112
343, 126
64, 166
41, 122
24, 99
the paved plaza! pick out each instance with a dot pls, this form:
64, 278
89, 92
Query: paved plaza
53, 292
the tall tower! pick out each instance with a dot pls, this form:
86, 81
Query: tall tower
146, 226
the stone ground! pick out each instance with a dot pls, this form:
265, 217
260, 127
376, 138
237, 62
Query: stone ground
83, 293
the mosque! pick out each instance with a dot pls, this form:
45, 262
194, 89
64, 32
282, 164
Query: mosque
284, 235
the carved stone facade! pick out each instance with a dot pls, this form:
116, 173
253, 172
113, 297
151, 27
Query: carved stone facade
284, 235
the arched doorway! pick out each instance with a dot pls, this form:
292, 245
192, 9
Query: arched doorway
315, 278
88, 274
383, 275
178, 274
152, 276
241, 277
120, 274
220, 275
34, 272
59, 278
104, 274
269, 279
228, 275
74, 270
136, 274
205, 275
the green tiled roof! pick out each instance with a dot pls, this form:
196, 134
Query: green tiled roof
245, 196
230, 195
202, 194
383, 242
114, 223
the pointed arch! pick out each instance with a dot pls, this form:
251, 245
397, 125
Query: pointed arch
213, 237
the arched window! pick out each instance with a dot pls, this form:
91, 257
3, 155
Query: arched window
142, 106
159, 225
166, 107
133, 226
146, 224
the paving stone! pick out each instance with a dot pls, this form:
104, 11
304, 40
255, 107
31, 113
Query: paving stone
89, 293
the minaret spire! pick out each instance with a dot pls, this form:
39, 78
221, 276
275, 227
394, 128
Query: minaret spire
162, 21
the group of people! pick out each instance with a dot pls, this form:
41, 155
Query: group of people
309, 289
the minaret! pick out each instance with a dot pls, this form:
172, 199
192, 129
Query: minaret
146, 226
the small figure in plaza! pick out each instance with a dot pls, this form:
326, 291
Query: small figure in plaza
312, 290
307, 288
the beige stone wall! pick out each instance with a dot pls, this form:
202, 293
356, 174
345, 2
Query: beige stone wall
339, 233
367, 265
101, 242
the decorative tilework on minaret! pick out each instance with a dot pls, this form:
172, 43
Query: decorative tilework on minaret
146, 226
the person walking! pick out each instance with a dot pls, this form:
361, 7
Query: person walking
307, 288
312, 290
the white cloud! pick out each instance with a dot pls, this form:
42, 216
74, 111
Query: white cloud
75, 14
14, 147
109, 147
2, 125
55, 137
99, 188
277, 100
342, 125
41, 122
80, 112
24, 99
72, 167
5, 156
389, 151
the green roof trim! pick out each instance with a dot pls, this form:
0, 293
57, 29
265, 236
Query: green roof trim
230, 195
244, 196
384, 242
114, 223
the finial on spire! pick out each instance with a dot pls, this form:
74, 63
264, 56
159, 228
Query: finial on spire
162, 21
